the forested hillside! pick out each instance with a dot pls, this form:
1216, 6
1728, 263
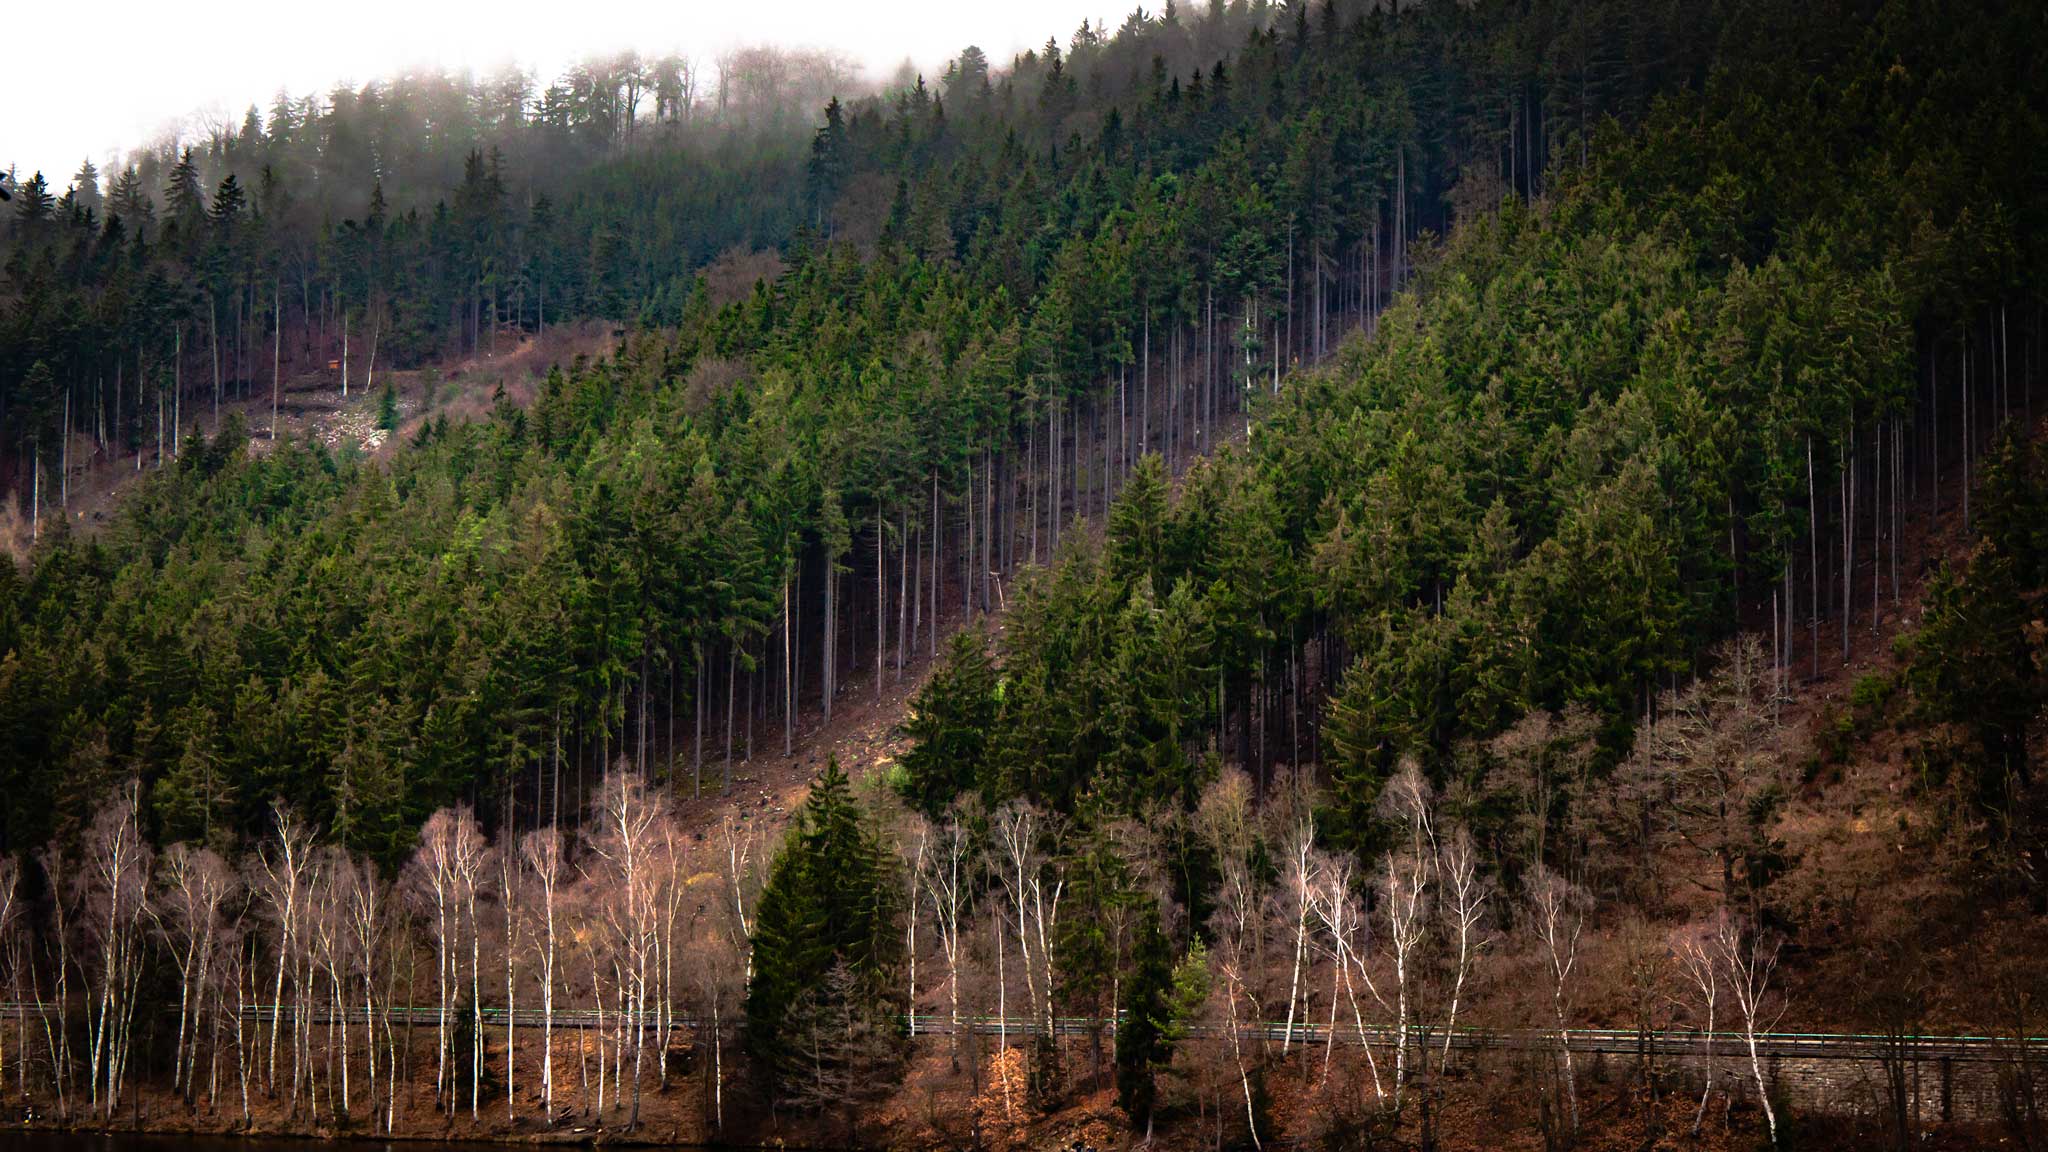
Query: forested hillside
1011, 289
1368, 481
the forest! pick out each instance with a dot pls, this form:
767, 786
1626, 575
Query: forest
1384, 514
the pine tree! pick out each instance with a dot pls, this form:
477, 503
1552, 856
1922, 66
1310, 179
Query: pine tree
1145, 1042
33, 204
184, 201
829, 906
85, 187
950, 719
825, 171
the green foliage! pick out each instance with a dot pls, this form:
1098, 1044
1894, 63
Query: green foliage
1145, 1041
828, 910
1578, 425
950, 720
1977, 667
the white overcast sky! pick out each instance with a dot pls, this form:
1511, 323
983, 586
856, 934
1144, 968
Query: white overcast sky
96, 78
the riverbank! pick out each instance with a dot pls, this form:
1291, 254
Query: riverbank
347, 1103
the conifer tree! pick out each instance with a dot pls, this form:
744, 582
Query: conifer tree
950, 720
825, 934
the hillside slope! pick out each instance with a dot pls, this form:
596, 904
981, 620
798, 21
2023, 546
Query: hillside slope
1430, 590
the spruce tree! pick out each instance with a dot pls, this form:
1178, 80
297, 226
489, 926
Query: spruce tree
830, 906
950, 720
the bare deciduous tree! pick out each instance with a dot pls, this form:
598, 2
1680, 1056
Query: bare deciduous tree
1749, 957
279, 878
1708, 760
623, 840
116, 899
945, 886
193, 886
1463, 910
431, 877
1694, 949
1299, 877
10, 950
1557, 918
1225, 816
542, 851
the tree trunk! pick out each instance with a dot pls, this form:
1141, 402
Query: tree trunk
881, 603
276, 356
788, 683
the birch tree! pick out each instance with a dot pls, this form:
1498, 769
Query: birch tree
1406, 881
946, 887
470, 860
192, 887
1300, 876
623, 839
10, 910
1463, 909
1343, 921
1557, 919
915, 843
57, 1037
1698, 961
279, 878
431, 878
1749, 958
542, 852
1225, 818
117, 891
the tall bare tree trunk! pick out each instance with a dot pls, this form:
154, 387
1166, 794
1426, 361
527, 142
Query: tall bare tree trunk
276, 355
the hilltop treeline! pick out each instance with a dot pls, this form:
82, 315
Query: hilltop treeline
1008, 291
410, 218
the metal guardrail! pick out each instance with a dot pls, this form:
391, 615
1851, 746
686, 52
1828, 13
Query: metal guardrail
1826, 1046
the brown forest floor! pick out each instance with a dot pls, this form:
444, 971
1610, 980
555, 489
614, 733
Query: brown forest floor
310, 402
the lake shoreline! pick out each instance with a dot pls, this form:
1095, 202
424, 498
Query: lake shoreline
151, 1131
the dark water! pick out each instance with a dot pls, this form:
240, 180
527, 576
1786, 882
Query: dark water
19, 1140
22, 1141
